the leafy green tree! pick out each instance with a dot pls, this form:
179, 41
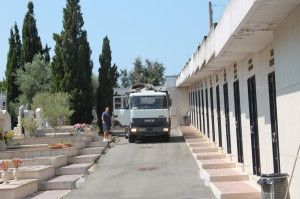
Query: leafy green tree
154, 73
3, 85
71, 66
13, 64
34, 78
138, 71
124, 78
151, 73
108, 77
31, 42
56, 108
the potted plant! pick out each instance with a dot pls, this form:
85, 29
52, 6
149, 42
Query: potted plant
4, 164
16, 164
6, 139
30, 125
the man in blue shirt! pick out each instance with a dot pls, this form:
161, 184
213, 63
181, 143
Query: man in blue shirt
106, 124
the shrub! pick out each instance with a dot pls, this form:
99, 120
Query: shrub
30, 125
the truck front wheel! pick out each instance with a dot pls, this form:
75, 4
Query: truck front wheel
131, 138
167, 138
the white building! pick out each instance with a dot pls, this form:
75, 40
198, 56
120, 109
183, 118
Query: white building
243, 86
2, 100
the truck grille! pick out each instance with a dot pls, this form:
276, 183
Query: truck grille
145, 122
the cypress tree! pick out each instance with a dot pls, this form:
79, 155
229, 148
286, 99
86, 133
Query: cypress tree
108, 78
13, 64
10, 67
46, 53
71, 66
31, 42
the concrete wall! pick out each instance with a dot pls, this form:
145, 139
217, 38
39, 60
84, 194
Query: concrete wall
287, 45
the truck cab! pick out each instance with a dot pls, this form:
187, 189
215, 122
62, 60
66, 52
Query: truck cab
145, 113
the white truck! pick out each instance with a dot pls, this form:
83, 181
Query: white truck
143, 112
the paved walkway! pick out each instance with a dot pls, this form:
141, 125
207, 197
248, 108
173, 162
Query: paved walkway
147, 170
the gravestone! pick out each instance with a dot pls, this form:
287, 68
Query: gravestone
39, 118
19, 130
5, 120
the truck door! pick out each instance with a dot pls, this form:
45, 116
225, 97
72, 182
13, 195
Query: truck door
120, 112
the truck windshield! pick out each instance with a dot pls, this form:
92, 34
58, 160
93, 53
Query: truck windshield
148, 102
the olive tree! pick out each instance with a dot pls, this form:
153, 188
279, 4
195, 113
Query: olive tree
56, 108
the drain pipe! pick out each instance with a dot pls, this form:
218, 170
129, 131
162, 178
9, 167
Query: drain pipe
295, 162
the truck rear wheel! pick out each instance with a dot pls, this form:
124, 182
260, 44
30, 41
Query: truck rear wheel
131, 138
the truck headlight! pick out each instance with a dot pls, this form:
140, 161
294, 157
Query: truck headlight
133, 130
165, 129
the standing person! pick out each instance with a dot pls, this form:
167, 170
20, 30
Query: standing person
106, 124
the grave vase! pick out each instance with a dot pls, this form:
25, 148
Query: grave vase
16, 174
5, 177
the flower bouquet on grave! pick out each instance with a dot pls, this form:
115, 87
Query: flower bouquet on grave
4, 164
79, 128
16, 164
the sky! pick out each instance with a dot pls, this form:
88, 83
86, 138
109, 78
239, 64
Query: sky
168, 31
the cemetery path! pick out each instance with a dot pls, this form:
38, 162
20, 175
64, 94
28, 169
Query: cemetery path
152, 169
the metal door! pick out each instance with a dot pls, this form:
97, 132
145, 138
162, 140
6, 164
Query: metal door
227, 122
212, 113
274, 126
219, 115
207, 114
238, 124
254, 125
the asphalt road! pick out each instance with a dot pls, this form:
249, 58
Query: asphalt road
152, 169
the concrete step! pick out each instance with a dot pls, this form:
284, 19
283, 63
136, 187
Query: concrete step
18, 189
215, 164
95, 144
92, 150
40, 172
200, 144
89, 158
54, 194
196, 140
221, 175
38, 152
74, 169
209, 155
63, 182
57, 161
192, 136
204, 149
234, 190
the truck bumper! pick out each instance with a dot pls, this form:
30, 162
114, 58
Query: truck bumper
150, 132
